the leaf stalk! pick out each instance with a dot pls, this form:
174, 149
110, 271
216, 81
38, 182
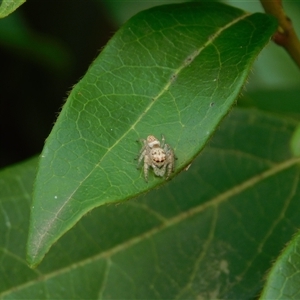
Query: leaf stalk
285, 35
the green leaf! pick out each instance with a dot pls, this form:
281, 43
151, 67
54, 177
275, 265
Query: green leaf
295, 142
174, 70
284, 277
9, 6
15, 199
272, 101
211, 233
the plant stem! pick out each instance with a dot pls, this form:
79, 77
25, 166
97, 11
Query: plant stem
285, 35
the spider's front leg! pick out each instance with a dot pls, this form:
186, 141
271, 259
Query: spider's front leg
170, 160
142, 152
162, 144
140, 158
170, 169
147, 164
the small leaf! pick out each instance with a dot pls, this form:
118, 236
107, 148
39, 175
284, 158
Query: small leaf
174, 70
9, 6
284, 277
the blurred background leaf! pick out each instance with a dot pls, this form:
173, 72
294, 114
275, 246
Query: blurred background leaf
181, 241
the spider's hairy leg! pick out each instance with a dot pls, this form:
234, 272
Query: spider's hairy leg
162, 141
144, 146
146, 167
141, 156
169, 151
170, 169
170, 159
142, 152
173, 157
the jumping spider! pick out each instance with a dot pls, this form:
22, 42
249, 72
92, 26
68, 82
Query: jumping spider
158, 155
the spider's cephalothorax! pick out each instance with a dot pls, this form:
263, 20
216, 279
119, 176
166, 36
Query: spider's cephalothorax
158, 155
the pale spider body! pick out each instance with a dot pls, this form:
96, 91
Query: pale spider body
158, 155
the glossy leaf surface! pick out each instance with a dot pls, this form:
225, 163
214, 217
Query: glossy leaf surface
174, 70
8, 6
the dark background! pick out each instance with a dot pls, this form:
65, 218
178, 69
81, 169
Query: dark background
63, 39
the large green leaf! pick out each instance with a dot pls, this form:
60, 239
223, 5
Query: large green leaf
173, 69
8, 6
211, 233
